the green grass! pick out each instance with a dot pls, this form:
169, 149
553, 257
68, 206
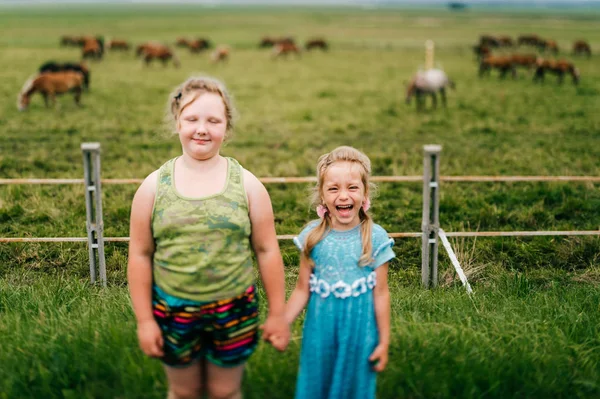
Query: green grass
530, 331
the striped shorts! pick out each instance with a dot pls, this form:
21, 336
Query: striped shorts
223, 331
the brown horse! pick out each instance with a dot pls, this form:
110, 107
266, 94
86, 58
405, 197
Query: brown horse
221, 54
481, 51
559, 68
81, 67
582, 47
71, 41
504, 64
316, 44
505, 41
524, 60
116, 44
93, 47
49, 84
182, 42
151, 51
199, 45
489, 41
548, 45
285, 48
531, 40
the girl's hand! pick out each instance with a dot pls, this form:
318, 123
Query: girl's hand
379, 357
150, 337
276, 331
278, 343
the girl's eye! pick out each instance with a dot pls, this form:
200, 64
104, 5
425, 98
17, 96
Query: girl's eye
332, 189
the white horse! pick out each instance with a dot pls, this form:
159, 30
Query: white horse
429, 82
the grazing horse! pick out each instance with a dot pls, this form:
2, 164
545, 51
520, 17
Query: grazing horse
52, 66
285, 48
316, 44
197, 46
524, 60
150, 51
489, 41
558, 68
531, 40
93, 48
548, 45
182, 42
503, 63
481, 51
49, 84
71, 41
505, 41
116, 44
267, 42
428, 82
221, 54
582, 47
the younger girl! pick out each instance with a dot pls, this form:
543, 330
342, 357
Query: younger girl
343, 278
194, 224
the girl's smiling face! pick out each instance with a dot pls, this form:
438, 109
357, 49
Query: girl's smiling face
343, 193
202, 126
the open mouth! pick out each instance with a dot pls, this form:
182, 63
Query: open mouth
344, 210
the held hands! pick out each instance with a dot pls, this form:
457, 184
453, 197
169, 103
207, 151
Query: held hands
379, 357
276, 331
150, 337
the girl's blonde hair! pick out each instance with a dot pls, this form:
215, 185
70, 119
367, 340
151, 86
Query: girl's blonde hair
355, 157
194, 87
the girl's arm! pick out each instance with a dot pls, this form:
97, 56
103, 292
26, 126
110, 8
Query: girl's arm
301, 293
270, 263
381, 295
139, 267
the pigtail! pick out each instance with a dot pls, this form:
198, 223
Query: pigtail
366, 229
313, 238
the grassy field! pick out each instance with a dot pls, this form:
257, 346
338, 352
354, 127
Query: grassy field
532, 330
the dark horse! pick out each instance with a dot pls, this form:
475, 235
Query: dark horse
428, 82
52, 66
316, 44
582, 47
559, 68
49, 84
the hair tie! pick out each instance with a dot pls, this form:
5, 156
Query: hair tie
321, 211
366, 204
177, 97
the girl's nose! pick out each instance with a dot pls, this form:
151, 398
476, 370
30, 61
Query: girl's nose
201, 128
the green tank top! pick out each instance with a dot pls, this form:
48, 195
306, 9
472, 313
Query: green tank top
202, 245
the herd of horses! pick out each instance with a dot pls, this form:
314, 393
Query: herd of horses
490, 51
58, 78
55, 78
539, 64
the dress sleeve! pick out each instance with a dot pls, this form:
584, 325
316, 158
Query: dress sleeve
382, 245
300, 239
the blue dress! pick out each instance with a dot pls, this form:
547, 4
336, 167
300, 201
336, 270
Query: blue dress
340, 328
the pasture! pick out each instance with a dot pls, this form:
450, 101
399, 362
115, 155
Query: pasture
532, 330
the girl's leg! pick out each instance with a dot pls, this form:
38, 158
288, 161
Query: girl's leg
185, 383
224, 382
